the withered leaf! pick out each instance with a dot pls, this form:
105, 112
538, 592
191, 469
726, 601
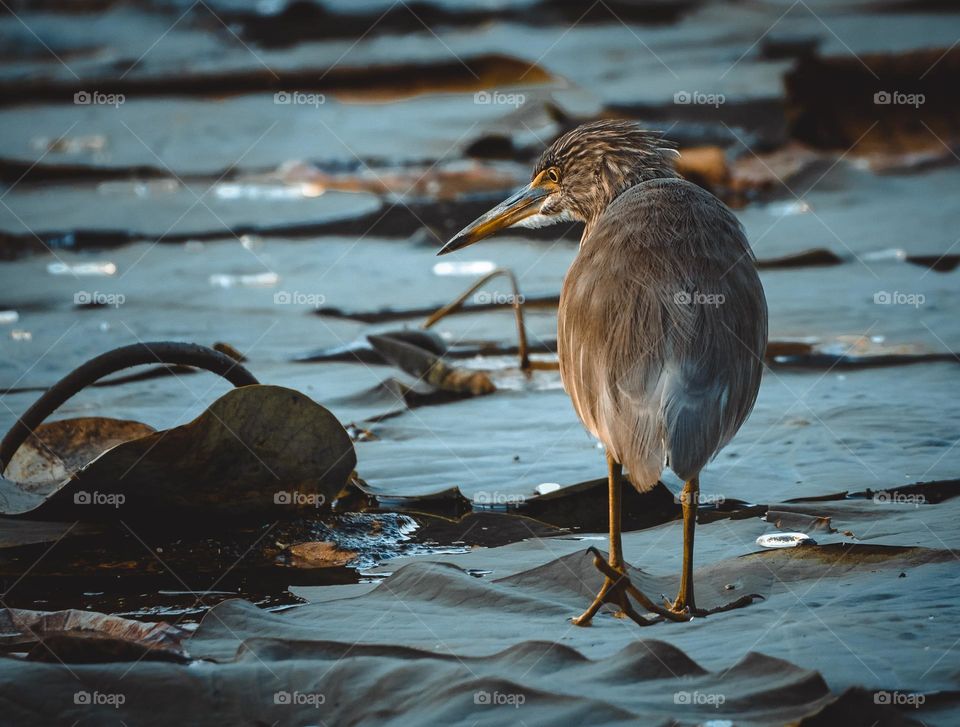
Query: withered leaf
77, 637
257, 450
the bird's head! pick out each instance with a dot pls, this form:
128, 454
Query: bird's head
576, 178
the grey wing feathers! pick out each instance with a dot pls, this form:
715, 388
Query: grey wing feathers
663, 328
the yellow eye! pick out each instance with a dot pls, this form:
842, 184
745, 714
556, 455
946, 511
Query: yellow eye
553, 175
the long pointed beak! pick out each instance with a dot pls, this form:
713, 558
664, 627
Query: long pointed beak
525, 203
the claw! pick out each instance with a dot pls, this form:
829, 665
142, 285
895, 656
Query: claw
617, 587
616, 590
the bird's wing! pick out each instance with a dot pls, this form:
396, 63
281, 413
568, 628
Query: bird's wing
663, 328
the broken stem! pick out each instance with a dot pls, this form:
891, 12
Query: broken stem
458, 302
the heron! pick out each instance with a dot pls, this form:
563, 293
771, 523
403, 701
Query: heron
661, 328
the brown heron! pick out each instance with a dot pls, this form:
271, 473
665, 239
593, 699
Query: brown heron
662, 323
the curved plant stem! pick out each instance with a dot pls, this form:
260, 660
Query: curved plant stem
458, 302
137, 354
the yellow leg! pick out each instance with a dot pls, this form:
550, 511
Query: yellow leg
616, 587
614, 490
689, 499
685, 604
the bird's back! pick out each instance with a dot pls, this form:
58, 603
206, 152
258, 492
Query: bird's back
662, 329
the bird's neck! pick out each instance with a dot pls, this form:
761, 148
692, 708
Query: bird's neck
609, 187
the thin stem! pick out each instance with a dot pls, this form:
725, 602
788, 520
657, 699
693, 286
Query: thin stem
517, 302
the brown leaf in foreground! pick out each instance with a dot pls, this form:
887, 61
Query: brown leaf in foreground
78, 637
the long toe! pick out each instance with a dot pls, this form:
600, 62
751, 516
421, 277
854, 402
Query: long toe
741, 602
616, 591
687, 610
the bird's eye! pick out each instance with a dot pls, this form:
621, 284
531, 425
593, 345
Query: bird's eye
553, 175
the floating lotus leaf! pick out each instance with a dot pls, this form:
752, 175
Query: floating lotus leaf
256, 450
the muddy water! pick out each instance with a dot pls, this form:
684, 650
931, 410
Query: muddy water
175, 211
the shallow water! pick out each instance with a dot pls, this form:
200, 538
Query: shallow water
203, 207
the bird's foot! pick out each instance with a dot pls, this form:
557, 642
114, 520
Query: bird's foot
685, 606
617, 590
